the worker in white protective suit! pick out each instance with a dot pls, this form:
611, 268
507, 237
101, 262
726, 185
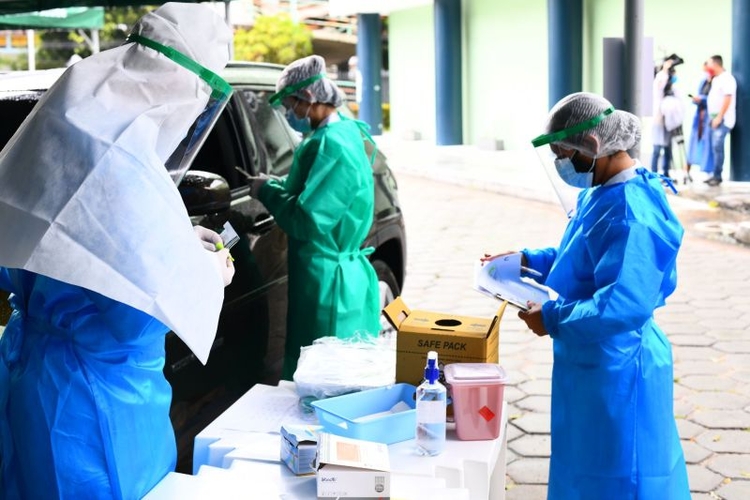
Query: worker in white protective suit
99, 254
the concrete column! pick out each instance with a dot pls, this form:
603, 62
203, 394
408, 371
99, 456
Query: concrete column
633, 101
448, 73
370, 65
740, 144
31, 49
565, 48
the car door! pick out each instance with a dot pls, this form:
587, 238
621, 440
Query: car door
254, 310
278, 138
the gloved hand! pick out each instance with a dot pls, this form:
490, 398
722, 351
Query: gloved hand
487, 257
533, 319
208, 238
256, 183
224, 265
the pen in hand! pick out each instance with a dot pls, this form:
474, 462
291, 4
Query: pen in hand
530, 271
220, 246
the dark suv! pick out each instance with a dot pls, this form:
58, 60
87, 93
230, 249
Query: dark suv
249, 138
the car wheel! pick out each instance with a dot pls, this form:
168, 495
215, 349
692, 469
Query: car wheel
389, 290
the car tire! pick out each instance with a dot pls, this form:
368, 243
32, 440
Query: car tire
388, 290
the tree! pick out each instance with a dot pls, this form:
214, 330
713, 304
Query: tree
118, 21
274, 39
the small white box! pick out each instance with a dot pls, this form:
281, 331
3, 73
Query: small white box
348, 468
299, 446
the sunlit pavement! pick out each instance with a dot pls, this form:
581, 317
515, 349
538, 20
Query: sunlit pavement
458, 205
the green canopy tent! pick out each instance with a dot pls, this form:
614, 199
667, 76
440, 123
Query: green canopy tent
22, 6
60, 18
70, 18
17, 6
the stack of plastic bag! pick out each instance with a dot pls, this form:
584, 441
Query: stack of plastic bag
332, 366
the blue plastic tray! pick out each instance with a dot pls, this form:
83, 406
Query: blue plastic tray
337, 415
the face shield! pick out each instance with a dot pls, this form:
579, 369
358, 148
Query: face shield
182, 157
277, 99
560, 177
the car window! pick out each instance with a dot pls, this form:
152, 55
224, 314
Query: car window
278, 138
15, 109
223, 152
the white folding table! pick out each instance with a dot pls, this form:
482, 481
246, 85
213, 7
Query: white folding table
240, 449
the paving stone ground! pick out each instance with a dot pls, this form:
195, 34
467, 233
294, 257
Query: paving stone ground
707, 320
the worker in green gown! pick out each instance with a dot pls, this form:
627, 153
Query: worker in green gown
325, 206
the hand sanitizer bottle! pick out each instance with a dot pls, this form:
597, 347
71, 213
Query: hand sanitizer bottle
431, 404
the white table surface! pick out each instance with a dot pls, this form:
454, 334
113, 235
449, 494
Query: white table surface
239, 454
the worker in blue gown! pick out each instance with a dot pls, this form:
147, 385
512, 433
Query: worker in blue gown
100, 257
700, 151
613, 430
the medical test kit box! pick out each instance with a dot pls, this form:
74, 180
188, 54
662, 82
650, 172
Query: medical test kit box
457, 339
299, 444
352, 468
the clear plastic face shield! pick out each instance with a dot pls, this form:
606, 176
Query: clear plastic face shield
559, 168
278, 99
180, 160
286, 97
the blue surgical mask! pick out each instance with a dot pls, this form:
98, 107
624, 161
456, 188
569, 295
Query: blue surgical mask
301, 125
567, 172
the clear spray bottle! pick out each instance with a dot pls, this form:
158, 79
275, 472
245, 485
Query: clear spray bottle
431, 406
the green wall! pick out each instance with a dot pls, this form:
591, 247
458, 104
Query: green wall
505, 94
506, 66
411, 66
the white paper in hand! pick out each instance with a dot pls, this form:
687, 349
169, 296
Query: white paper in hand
501, 278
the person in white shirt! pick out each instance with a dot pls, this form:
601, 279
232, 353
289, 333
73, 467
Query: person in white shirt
722, 109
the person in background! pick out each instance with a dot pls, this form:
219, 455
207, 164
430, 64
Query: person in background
721, 104
101, 259
326, 207
699, 149
612, 423
668, 115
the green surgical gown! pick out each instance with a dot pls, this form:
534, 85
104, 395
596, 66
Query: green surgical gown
325, 206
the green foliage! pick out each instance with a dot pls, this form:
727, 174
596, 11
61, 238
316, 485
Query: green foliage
118, 21
54, 49
13, 63
273, 39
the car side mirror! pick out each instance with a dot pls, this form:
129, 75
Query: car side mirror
204, 193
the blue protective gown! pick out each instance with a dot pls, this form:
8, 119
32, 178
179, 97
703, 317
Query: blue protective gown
84, 401
613, 430
700, 151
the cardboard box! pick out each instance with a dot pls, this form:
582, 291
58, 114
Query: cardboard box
299, 444
352, 468
457, 339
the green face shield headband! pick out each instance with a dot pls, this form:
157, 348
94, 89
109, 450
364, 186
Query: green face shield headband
278, 97
571, 131
220, 89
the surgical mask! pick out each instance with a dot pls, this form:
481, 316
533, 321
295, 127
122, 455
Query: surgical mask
568, 173
301, 125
